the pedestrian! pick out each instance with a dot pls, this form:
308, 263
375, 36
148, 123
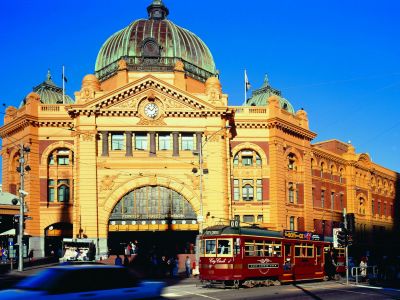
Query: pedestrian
363, 269
188, 266
126, 261
30, 255
118, 261
4, 256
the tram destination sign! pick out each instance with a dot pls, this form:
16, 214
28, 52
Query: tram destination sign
264, 266
302, 235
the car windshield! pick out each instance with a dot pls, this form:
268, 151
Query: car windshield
43, 281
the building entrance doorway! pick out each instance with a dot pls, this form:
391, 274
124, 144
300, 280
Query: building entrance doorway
160, 219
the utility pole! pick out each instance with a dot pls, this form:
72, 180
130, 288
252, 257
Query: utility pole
21, 169
346, 248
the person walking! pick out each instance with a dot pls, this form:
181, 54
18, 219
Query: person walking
118, 261
188, 266
363, 269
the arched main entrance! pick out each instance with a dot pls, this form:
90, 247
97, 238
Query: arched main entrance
160, 219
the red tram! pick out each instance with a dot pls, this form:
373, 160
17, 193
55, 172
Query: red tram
252, 256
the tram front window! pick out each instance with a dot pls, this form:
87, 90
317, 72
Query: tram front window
224, 247
210, 247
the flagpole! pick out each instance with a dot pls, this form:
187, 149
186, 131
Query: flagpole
63, 88
245, 87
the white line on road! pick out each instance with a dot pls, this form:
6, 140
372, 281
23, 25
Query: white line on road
324, 288
195, 294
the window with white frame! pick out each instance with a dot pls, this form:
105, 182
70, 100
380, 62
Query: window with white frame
236, 190
187, 141
164, 141
140, 141
248, 189
259, 190
117, 141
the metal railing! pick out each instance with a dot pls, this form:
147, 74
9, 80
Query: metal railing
358, 272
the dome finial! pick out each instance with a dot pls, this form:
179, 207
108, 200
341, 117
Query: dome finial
48, 75
157, 10
266, 80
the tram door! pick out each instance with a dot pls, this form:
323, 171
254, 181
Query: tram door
288, 262
304, 260
319, 259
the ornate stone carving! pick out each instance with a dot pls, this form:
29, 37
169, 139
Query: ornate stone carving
179, 66
131, 104
148, 122
172, 103
108, 182
122, 64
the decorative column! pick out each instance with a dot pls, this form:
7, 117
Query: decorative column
128, 136
198, 141
152, 144
175, 145
104, 138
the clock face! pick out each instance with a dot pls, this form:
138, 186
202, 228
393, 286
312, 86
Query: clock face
151, 110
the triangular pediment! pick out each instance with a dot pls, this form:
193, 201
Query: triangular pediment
130, 97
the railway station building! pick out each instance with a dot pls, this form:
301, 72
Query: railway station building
149, 149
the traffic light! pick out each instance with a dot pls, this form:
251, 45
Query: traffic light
350, 220
342, 237
16, 224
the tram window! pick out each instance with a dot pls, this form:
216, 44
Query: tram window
318, 251
310, 252
224, 247
260, 250
297, 250
249, 248
210, 247
272, 249
287, 250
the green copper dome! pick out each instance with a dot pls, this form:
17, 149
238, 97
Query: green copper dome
261, 95
50, 93
155, 44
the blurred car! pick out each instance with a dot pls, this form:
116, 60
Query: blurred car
84, 281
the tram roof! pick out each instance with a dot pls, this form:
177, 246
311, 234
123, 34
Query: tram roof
227, 230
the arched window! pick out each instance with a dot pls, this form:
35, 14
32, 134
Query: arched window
292, 161
247, 158
59, 186
322, 166
248, 191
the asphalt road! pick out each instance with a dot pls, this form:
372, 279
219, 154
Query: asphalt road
315, 290
192, 289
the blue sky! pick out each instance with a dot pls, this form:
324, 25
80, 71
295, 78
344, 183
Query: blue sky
339, 60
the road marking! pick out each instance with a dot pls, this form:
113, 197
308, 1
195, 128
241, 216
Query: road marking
195, 294
320, 287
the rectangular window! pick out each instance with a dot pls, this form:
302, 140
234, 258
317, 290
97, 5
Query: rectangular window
63, 160
224, 247
248, 218
51, 191
247, 160
141, 141
164, 141
247, 190
384, 209
379, 208
211, 247
259, 190
187, 142
322, 198
297, 193
332, 200
291, 223
236, 190
117, 141
291, 192
260, 219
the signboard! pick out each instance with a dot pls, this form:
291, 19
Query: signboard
302, 235
335, 237
234, 223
